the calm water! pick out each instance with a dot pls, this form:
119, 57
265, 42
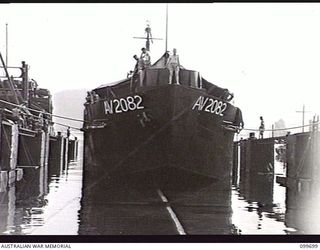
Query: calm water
54, 205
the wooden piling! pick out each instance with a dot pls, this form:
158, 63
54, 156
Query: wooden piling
33, 185
299, 156
244, 158
257, 156
46, 162
235, 165
257, 170
7, 211
9, 153
1, 117
65, 152
258, 188
9, 146
315, 158
11, 177
302, 182
56, 157
56, 147
3, 181
262, 156
73, 150
299, 162
31, 148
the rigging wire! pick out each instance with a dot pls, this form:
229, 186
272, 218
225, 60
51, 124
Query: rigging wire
39, 111
66, 125
78, 120
62, 124
281, 129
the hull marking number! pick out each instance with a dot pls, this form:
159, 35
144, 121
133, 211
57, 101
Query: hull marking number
210, 105
122, 105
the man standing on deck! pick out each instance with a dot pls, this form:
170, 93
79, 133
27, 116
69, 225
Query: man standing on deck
261, 128
173, 64
138, 68
145, 56
139, 64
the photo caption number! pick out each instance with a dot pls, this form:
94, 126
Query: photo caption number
308, 245
123, 104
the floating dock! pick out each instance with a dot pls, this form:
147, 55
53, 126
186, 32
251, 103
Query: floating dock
25, 152
254, 172
301, 155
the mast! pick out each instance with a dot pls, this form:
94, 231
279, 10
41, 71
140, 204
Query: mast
303, 111
11, 86
148, 37
166, 27
6, 44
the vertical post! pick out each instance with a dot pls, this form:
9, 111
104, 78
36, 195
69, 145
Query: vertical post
6, 44
316, 158
166, 27
1, 111
303, 115
235, 163
312, 151
25, 82
11, 86
303, 111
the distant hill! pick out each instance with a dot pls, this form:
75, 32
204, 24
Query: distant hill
69, 103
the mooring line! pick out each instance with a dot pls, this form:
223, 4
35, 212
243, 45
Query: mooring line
172, 214
40, 111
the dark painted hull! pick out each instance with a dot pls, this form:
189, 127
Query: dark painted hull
179, 145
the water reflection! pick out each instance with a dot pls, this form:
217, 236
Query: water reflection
303, 210
259, 205
60, 215
262, 206
7, 209
132, 210
43, 201
206, 211
124, 210
52, 201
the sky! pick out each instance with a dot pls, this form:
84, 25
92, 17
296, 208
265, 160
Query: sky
267, 54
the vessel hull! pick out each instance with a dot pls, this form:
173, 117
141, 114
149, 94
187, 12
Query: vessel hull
168, 142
